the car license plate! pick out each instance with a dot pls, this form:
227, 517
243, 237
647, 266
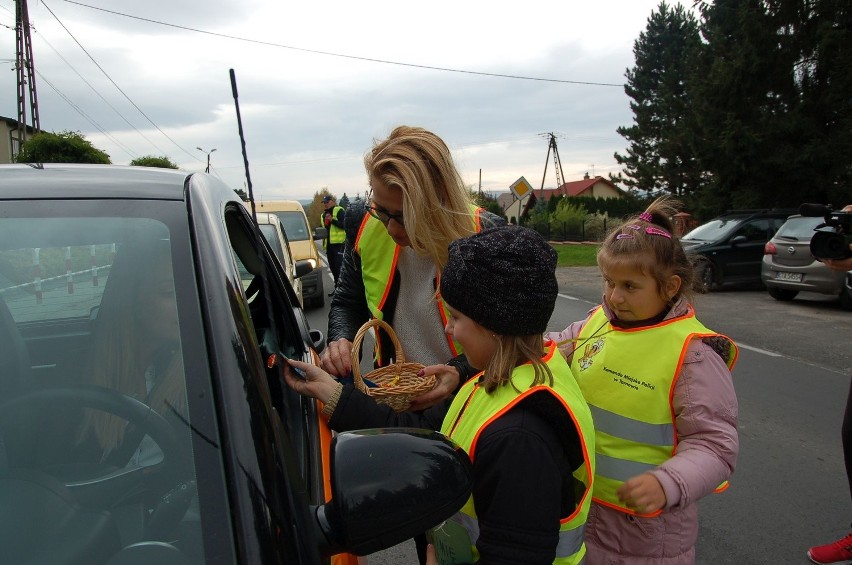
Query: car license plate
782, 276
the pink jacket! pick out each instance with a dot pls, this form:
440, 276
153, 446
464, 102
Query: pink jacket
705, 406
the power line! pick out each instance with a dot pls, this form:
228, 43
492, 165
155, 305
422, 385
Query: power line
330, 54
116, 85
70, 66
86, 116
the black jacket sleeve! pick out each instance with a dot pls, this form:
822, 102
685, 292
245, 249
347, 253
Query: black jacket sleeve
355, 410
349, 309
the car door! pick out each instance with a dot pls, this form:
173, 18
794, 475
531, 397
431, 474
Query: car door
746, 253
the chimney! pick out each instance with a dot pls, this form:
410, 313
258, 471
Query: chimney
586, 177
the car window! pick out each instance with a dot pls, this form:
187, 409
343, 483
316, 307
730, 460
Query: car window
294, 224
801, 228
271, 235
758, 229
93, 301
713, 230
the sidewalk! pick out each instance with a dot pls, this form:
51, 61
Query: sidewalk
580, 276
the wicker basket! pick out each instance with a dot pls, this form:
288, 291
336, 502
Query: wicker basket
396, 384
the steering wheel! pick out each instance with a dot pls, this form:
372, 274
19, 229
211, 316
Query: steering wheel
105, 489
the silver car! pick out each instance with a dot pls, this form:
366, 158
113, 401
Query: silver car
789, 268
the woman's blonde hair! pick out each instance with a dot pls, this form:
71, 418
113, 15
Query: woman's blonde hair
647, 241
513, 351
114, 361
436, 205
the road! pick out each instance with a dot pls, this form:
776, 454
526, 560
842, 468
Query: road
792, 378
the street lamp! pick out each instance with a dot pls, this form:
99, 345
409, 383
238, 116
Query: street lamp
208, 157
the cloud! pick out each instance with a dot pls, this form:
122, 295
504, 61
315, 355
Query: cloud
310, 100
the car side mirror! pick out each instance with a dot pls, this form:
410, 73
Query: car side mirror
303, 267
317, 340
739, 239
389, 485
320, 233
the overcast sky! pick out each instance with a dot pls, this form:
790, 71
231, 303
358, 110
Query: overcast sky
318, 81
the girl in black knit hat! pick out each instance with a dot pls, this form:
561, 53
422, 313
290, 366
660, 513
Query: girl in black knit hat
521, 418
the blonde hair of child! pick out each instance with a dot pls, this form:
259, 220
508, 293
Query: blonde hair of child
513, 351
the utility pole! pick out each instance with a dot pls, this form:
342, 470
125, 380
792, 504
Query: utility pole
557, 162
26, 73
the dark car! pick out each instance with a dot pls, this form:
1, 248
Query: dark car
729, 248
142, 415
789, 267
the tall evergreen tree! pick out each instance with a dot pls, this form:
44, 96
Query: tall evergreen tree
661, 154
773, 102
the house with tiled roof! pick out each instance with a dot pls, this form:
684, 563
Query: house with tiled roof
594, 187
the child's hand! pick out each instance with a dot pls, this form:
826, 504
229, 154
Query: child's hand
317, 383
643, 493
447, 383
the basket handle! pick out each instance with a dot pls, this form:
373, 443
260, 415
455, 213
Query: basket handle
399, 355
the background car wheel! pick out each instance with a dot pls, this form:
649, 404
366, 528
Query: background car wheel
782, 294
707, 276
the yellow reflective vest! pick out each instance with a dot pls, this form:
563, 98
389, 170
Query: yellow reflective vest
379, 255
335, 234
473, 410
628, 378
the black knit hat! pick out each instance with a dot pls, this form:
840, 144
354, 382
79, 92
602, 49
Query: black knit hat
502, 278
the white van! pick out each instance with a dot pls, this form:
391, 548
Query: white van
302, 245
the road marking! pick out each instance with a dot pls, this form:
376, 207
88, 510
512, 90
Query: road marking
569, 297
758, 350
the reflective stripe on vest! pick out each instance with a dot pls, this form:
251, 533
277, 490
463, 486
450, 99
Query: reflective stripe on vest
630, 394
473, 410
379, 256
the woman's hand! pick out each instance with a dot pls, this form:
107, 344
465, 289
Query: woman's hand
839, 264
316, 384
447, 383
643, 493
337, 358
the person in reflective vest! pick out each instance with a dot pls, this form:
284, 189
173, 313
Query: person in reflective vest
521, 419
334, 220
659, 386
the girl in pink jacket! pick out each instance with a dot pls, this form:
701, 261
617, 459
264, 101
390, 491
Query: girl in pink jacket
659, 386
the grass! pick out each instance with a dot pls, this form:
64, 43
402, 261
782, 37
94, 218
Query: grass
576, 254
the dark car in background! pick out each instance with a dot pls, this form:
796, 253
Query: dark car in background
729, 249
789, 267
143, 325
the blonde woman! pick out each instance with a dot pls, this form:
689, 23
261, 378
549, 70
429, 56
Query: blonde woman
396, 245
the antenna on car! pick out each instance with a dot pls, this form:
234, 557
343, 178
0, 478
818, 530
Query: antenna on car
243, 142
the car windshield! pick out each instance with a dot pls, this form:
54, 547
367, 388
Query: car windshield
800, 228
269, 232
294, 225
94, 402
713, 230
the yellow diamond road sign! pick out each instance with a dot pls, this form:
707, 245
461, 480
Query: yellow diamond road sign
521, 188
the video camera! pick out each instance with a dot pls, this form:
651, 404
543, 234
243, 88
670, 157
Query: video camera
832, 238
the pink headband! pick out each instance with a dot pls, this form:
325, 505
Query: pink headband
650, 230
